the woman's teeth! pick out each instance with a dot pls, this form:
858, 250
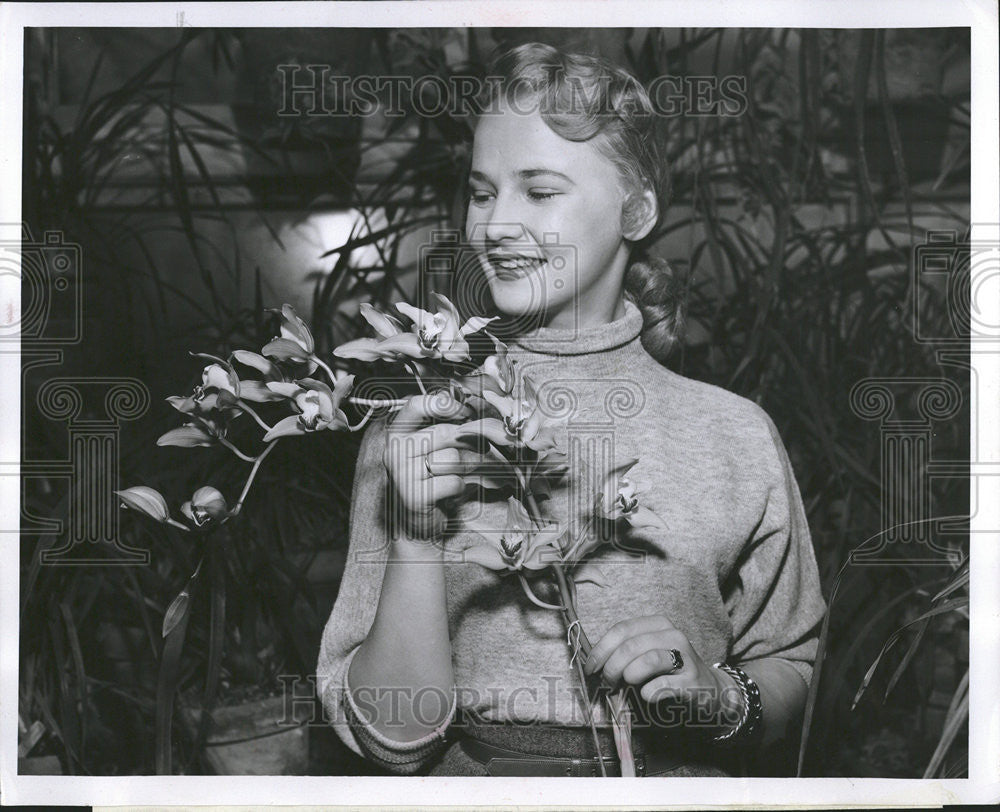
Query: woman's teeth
517, 266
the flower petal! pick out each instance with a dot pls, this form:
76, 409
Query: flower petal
285, 349
145, 500
211, 501
285, 389
258, 362
185, 405
488, 427
504, 404
644, 517
421, 318
457, 349
339, 421
293, 326
207, 357
284, 428
341, 389
446, 306
383, 324
405, 344
363, 349
475, 324
544, 440
187, 436
257, 392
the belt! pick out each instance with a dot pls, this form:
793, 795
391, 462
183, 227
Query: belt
500, 761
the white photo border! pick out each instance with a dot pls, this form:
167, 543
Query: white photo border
983, 784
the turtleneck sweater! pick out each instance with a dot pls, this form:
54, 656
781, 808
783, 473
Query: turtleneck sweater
734, 570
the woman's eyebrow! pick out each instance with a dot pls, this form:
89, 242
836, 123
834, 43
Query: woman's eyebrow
531, 173
524, 174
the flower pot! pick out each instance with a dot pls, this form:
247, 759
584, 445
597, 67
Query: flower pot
254, 738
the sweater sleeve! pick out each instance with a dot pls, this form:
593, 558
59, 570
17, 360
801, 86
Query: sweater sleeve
353, 615
776, 605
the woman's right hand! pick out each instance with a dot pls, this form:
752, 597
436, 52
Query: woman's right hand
426, 461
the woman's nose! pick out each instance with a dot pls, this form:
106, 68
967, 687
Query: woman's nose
504, 222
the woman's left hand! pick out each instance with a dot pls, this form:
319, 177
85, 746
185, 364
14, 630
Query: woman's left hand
643, 652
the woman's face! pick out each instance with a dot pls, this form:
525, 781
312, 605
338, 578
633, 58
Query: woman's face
544, 217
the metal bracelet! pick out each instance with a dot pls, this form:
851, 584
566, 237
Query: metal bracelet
751, 712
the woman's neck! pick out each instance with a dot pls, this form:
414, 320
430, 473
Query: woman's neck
577, 317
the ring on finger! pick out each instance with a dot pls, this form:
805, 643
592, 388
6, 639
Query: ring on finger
678, 660
427, 466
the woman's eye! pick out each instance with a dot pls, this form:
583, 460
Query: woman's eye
479, 198
538, 195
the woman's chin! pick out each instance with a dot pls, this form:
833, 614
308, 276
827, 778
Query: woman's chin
518, 297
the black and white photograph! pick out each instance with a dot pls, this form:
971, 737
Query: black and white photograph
405, 393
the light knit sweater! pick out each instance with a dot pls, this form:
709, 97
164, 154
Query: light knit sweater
734, 571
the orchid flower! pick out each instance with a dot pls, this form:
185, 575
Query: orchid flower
498, 373
432, 335
521, 422
219, 388
257, 391
318, 406
520, 546
619, 500
295, 341
206, 504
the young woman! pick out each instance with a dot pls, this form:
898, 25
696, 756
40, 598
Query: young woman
429, 664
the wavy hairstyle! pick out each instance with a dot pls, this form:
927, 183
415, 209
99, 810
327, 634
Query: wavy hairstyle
582, 98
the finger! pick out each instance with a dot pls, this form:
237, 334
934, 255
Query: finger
451, 460
618, 633
445, 487
425, 441
636, 646
651, 663
423, 409
664, 688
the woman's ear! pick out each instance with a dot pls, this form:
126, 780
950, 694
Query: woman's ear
639, 214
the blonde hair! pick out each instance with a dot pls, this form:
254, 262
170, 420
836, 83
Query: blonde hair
582, 98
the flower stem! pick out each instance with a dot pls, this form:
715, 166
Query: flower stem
234, 449
325, 367
570, 620
175, 523
375, 403
590, 710
533, 597
253, 473
569, 608
364, 420
246, 408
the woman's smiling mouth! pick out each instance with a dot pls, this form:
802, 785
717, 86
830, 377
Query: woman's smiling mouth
507, 266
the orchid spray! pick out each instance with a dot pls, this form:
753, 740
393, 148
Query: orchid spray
310, 395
